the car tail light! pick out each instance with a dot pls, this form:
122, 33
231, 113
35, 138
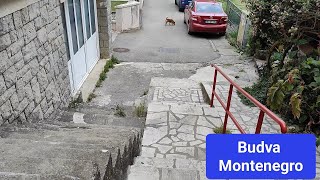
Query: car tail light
224, 20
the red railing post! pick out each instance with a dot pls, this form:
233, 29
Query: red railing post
263, 110
213, 86
260, 121
227, 109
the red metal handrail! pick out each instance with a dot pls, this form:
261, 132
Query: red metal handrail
263, 110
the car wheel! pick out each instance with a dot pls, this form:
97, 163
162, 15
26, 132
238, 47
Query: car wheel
184, 18
222, 34
175, 2
181, 9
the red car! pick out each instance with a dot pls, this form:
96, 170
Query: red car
205, 16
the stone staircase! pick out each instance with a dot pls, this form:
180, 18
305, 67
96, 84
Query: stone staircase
86, 143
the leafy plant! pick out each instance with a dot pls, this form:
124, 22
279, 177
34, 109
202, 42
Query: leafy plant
232, 38
119, 111
277, 25
75, 101
140, 110
289, 32
109, 65
219, 130
114, 60
91, 96
258, 90
99, 84
296, 91
145, 92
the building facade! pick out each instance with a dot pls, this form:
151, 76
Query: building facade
47, 49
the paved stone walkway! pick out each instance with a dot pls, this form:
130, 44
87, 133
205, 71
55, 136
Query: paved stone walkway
245, 115
178, 120
178, 95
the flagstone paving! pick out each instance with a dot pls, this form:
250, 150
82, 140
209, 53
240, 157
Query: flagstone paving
245, 115
178, 120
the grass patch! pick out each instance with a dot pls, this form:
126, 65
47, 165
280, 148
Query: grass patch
224, 4
116, 3
140, 110
258, 91
75, 102
240, 4
219, 130
227, 65
145, 92
91, 96
119, 111
109, 65
232, 38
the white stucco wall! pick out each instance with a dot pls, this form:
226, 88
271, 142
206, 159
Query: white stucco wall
10, 6
128, 16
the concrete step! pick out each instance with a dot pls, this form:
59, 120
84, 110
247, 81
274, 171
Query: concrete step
84, 151
99, 116
79, 134
66, 167
169, 162
167, 168
24, 176
22, 148
174, 83
206, 91
153, 173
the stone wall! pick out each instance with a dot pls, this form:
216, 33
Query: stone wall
104, 24
34, 79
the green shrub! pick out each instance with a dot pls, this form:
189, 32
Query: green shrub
119, 111
219, 130
282, 28
103, 75
258, 90
91, 96
141, 110
232, 38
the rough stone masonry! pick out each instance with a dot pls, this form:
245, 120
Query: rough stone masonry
34, 79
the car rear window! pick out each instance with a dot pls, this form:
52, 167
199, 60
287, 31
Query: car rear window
208, 8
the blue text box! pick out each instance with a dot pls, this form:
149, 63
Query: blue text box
293, 157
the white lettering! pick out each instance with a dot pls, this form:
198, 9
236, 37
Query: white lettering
237, 166
223, 167
300, 166
259, 166
276, 148
276, 166
242, 147
284, 167
260, 147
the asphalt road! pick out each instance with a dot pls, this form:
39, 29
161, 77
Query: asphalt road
163, 51
156, 42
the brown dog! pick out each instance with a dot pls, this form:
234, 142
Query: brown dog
170, 21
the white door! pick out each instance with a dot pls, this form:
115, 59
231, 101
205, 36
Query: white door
91, 33
83, 39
